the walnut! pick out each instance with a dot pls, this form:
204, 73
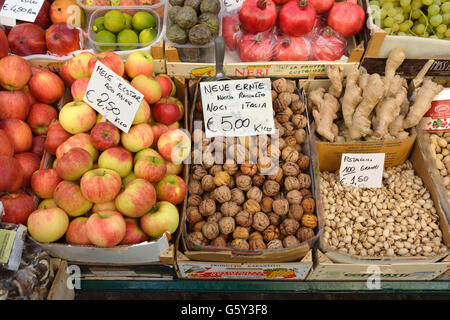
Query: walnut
208, 183
238, 153
289, 154
305, 180
309, 221
298, 106
283, 85
290, 241
244, 218
230, 184
298, 148
275, 244
289, 128
274, 219
294, 196
198, 172
198, 225
244, 182
198, 238
300, 136
252, 206
272, 152
274, 94
207, 207
193, 215
255, 193
303, 161
230, 167
220, 241
299, 120
226, 225
222, 194
221, 178
282, 143
291, 183
271, 188
248, 168
240, 244
295, 211
266, 204
255, 235
258, 180
240, 233
237, 195
271, 233
290, 169
282, 102
208, 160
194, 200
195, 187
210, 230
282, 117
308, 205
290, 141
215, 217
289, 226
280, 207
229, 209
219, 146
306, 193
260, 221
215, 168
276, 174
257, 244
304, 234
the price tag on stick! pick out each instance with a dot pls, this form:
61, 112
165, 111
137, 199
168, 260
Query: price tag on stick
362, 170
26, 10
231, 5
236, 108
113, 97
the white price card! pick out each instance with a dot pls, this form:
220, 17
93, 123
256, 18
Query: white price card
7, 21
234, 108
231, 5
362, 170
26, 10
113, 97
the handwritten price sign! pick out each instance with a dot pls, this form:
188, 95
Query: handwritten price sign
111, 96
362, 170
231, 5
26, 10
237, 108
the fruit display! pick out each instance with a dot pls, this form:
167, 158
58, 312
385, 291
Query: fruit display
107, 187
123, 30
373, 107
265, 30
254, 205
418, 18
195, 22
87, 4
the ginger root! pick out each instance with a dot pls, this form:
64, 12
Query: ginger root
324, 116
352, 96
336, 75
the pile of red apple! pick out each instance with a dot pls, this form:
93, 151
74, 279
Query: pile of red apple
109, 187
27, 107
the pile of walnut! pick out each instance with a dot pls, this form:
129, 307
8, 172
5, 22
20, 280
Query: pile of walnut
398, 219
438, 145
235, 205
369, 106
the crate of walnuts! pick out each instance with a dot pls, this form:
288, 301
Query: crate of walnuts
242, 208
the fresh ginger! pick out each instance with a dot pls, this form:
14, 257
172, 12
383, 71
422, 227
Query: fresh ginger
393, 62
352, 96
336, 75
325, 114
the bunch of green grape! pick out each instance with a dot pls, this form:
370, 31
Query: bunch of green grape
421, 18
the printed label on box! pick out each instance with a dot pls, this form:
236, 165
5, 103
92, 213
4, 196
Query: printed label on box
6, 243
437, 117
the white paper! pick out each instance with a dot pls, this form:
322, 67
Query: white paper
113, 97
7, 21
362, 170
236, 108
26, 10
232, 5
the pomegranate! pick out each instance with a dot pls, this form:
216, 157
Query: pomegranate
231, 30
280, 2
346, 18
297, 18
329, 46
321, 6
291, 49
257, 47
258, 15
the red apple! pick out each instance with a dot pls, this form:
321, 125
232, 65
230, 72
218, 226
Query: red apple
143, 113
37, 146
32, 99
65, 75
47, 204
14, 104
68, 11
40, 117
68, 196
149, 87
158, 130
173, 168
36, 70
17, 206
133, 233
165, 111
77, 117
15, 72
180, 106
174, 145
73, 164
11, 174
27, 39
171, 188
140, 136
78, 66
76, 232
43, 18
150, 168
147, 152
47, 225
104, 206
167, 86
62, 39
47, 87
106, 228
19, 134
30, 163
56, 135
4, 46
136, 199
105, 135
163, 217
110, 59
118, 159
139, 62
44, 182
175, 125
78, 88
80, 140
100, 185
6, 146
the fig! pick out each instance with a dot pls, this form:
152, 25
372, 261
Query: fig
176, 34
195, 4
173, 12
200, 34
176, 2
186, 17
212, 6
211, 20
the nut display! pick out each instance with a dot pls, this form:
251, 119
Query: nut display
438, 149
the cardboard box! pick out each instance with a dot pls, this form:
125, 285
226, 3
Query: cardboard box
60, 289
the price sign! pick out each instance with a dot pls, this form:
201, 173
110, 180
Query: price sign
231, 5
362, 170
26, 10
113, 97
236, 108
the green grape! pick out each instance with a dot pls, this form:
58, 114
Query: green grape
388, 30
410, 23
392, 12
406, 10
405, 3
446, 18
395, 27
436, 20
400, 33
433, 10
404, 26
445, 7
399, 18
383, 13
419, 29
426, 34
416, 13
387, 6
447, 33
388, 22
396, 4
416, 4
422, 20
441, 29
438, 2
427, 2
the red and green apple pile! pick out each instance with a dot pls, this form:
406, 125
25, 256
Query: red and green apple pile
108, 187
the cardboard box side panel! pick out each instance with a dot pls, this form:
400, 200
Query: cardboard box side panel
60, 289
